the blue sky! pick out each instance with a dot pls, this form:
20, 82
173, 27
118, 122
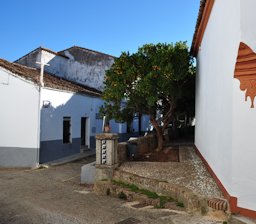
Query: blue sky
109, 26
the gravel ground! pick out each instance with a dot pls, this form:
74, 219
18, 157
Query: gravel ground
190, 172
54, 196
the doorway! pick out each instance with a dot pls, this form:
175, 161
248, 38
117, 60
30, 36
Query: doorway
84, 146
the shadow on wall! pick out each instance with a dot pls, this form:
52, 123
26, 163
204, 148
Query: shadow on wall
68, 126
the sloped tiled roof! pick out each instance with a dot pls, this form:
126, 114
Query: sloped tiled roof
202, 19
50, 80
84, 49
199, 18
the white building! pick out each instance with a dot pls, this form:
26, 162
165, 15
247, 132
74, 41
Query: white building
77, 64
83, 66
44, 123
225, 44
67, 113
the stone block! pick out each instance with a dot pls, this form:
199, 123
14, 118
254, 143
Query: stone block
88, 173
104, 172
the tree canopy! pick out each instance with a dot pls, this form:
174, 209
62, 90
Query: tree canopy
156, 80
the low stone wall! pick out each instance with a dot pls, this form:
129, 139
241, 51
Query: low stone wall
191, 201
145, 144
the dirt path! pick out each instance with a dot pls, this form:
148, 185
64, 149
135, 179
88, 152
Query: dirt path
54, 195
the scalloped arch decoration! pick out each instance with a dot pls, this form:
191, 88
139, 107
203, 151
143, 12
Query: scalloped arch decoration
245, 71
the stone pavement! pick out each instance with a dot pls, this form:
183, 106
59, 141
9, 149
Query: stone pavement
190, 173
187, 181
54, 195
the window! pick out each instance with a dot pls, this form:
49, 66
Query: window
66, 130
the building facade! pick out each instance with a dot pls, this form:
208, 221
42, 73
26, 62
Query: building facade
42, 123
77, 64
48, 118
224, 44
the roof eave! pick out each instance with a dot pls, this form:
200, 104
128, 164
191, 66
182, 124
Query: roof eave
202, 21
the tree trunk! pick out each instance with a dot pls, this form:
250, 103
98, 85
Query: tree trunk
160, 140
159, 134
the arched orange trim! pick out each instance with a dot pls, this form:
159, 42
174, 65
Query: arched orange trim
204, 15
245, 71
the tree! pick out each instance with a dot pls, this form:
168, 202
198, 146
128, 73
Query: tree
150, 81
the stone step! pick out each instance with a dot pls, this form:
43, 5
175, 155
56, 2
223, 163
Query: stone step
191, 201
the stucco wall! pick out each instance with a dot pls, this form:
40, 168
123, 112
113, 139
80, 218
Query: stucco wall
82, 66
225, 123
18, 121
31, 59
244, 122
214, 88
87, 67
68, 104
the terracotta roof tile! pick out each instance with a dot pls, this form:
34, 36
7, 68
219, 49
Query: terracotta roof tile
198, 22
50, 80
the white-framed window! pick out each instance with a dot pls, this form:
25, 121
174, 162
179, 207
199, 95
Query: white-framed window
67, 130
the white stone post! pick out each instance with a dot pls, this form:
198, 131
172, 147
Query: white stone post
106, 155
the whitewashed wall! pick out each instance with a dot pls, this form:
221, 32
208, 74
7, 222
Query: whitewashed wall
82, 66
244, 122
56, 64
68, 104
87, 67
225, 123
18, 121
216, 60
73, 105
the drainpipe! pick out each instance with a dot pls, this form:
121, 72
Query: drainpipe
38, 125
41, 85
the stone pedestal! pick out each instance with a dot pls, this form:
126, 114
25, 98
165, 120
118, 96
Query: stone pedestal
106, 155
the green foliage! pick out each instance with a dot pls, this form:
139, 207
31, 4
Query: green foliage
156, 79
150, 194
163, 200
135, 189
